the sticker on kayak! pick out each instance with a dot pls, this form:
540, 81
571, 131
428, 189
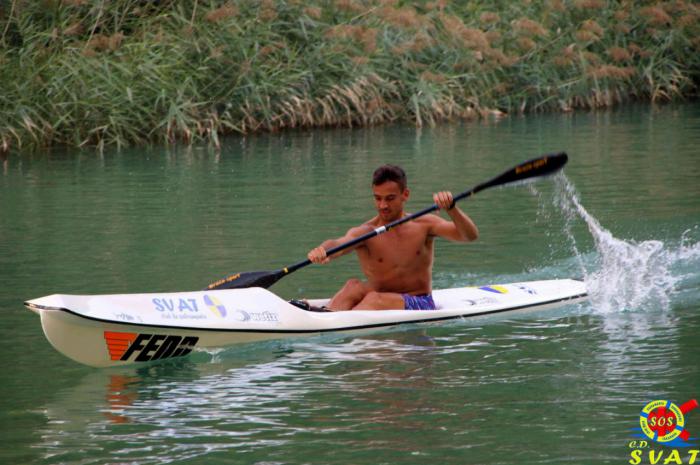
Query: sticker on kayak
494, 289
215, 305
147, 347
480, 301
527, 289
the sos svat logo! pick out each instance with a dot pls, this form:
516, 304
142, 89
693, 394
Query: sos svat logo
661, 422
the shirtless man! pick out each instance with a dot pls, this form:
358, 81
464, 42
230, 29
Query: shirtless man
397, 264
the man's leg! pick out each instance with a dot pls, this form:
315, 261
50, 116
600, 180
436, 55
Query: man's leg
349, 295
380, 301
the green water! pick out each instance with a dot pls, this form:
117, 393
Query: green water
562, 386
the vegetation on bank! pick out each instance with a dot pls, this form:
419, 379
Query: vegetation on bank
120, 72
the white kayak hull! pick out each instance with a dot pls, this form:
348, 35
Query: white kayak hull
112, 330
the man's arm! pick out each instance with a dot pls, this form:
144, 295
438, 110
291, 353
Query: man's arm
461, 229
318, 254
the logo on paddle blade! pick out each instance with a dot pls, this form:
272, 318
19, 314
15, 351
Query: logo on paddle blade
530, 165
227, 279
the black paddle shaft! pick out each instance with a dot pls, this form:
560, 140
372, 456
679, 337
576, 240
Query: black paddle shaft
534, 168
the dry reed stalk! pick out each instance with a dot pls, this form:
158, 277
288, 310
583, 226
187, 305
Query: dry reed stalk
74, 29
619, 54
529, 28
475, 39
501, 88
489, 17
687, 21
656, 15
267, 50
526, 44
404, 18
569, 51
436, 5
98, 42
621, 15
420, 42
313, 12
589, 4
368, 38
452, 24
115, 41
562, 61
592, 26
268, 13
349, 5
612, 72
222, 13
429, 76
634, 49
623, 28
360, 61
590, 57
501, 58
586, 36
556, 5
401, 49
493, 36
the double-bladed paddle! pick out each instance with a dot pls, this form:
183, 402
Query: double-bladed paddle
537, 167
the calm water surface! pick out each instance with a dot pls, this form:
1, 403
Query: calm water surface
559, 386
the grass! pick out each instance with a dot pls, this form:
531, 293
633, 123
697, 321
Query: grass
123, 72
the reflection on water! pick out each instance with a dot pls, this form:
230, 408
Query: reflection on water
205, 405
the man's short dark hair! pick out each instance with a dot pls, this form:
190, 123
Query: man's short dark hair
390, 173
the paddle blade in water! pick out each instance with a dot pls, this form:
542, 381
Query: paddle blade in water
263, 279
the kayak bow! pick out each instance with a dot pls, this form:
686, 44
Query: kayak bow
111, 330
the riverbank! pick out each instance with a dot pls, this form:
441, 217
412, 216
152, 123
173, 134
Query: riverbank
127, 72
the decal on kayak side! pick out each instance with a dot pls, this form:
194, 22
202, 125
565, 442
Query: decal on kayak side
527, 289
172, 305
147, 347
266, 316
215, 305
480, 301
495, 289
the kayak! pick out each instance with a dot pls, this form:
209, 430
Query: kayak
119, 329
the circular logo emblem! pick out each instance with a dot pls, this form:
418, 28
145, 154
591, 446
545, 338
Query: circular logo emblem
661, 421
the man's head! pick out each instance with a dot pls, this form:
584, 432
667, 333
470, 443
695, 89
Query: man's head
390, 190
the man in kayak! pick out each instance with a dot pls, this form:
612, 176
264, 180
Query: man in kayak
397, 264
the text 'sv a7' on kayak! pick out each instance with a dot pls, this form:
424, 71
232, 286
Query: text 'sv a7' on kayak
119, 329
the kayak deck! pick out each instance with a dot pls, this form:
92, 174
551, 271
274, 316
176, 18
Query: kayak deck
108, 330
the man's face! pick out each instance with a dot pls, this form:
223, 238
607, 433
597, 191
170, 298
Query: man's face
389, 200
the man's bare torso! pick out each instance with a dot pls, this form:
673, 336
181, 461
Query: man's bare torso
400, 260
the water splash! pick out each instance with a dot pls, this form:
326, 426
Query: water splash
625, 274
